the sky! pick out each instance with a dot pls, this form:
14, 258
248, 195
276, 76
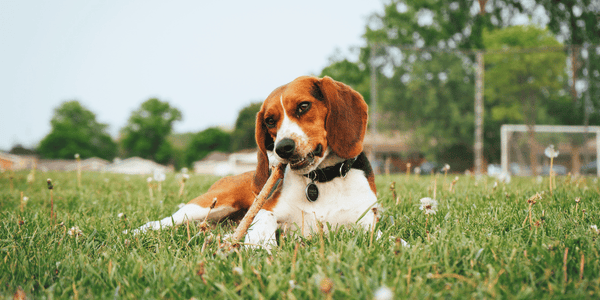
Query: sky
209, 59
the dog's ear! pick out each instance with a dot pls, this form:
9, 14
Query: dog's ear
264, 143
347, 116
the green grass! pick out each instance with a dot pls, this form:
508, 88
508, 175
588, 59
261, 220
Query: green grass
476, 247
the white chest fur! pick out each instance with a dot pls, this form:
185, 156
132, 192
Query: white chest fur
341, 201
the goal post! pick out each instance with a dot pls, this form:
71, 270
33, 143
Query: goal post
571, 141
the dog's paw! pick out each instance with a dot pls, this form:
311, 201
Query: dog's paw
154, 225
262, 232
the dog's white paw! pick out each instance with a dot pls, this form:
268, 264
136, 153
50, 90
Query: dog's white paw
154, 225
262, 231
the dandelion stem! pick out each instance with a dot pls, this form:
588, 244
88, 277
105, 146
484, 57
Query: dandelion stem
393, 189
181, 188
22, 202
434, 187
551, 173
581, 265
528, 215
78, 173
565, 264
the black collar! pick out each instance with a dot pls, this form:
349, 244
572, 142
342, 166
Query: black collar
329, 173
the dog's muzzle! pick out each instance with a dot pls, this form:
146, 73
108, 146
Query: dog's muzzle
286, 149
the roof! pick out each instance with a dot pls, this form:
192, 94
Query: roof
216, 156
89, 164
135, 165
54, 164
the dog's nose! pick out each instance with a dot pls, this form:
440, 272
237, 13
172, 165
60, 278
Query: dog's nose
285, 148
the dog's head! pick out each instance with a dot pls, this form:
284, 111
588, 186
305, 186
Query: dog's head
301, 122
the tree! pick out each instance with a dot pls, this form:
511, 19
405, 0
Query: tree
242, 136
147, 129
520, 86
207, 141
75, 130
576, 24
18, 149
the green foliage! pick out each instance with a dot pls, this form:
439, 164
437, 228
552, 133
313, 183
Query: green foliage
476, 246
75, 130
353, 74
20, 150
180, 142
242, 136
207, 141
520, 87
147, 129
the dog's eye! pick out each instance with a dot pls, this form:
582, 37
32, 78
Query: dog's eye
270, 122
302, 108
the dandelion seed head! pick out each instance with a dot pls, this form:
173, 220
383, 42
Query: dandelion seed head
76, 155
75, 231
121, 215
428, 205
383, 293
238, 271
326, 285
25, 198
550, 152
149, 179
292, 284
159, 175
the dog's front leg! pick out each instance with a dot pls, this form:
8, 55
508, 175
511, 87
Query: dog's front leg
189, 212
262, 231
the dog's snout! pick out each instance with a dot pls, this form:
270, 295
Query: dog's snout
285, 148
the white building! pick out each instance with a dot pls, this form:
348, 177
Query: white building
221, 164
136, 165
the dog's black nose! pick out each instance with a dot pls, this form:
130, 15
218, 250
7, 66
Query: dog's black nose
285, 148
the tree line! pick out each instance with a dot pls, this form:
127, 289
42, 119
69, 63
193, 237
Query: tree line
148, 134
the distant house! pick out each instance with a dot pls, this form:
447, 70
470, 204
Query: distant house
89, 164
17, 162
136, 165
46, 165
221, 164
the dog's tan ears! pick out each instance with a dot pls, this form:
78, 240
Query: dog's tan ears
347, 116
264, 143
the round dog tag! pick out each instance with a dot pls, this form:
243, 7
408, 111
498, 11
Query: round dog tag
312, 192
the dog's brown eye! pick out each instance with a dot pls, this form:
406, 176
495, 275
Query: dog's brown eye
270, 122
302, 108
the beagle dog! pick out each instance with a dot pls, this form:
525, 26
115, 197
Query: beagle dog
316, 127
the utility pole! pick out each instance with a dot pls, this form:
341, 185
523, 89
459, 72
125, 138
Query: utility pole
371, 155
479, 114
373, 89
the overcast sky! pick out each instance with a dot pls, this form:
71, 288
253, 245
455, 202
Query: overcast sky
207, 58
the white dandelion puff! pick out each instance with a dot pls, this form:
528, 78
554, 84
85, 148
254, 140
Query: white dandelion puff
550, 152
429, 205
383, 293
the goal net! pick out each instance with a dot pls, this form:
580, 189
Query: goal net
523, 147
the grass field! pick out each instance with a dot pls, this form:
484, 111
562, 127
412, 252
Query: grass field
479, 244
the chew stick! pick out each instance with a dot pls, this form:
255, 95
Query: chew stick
266, 192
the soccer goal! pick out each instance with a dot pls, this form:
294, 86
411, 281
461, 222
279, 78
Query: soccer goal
522, 149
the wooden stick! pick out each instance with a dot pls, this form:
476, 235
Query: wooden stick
267, 190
